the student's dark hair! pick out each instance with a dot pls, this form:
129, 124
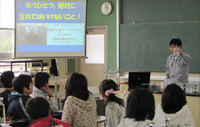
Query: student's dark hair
176, 41
6, 79
41, 78
20, 82
108, 84
77, 86
140, 105
37, 107
173, 99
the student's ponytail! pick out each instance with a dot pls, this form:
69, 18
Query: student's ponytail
113, 98
108, 89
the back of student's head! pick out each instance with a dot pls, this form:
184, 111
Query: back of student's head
20, 82
140, 105
6, 79
176, 41
41, 78
77, 86
173, 99
107, 85
37, 107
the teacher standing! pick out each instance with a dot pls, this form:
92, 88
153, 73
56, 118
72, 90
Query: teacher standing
177, 66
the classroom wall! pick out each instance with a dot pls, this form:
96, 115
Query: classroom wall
96, 18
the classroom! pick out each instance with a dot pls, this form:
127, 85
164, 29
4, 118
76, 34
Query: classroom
136, 36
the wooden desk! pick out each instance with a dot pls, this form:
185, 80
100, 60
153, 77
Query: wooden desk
101, 119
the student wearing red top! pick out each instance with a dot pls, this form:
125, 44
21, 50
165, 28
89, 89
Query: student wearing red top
38, 109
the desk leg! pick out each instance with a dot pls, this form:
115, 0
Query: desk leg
58, 103
25, 66
41, 66
55, 88
11, 66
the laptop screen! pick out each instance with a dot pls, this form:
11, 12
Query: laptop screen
139, 79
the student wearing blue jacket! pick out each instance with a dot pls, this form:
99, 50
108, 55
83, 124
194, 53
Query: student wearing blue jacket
17, 100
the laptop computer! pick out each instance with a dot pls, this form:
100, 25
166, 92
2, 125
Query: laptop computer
138, 80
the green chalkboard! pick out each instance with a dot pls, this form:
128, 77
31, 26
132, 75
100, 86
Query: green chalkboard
145, 47
144, 44
143, 11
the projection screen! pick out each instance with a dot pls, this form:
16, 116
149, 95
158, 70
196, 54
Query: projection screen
50, 28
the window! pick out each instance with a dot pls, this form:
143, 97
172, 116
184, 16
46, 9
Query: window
7, 28
7, 14
7, 41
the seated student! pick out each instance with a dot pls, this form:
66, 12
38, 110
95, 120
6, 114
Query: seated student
80, 108
173, 105
38, 109
6, 80
41, 89
140, 109
17, 100
115, 109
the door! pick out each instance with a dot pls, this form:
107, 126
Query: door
95, 71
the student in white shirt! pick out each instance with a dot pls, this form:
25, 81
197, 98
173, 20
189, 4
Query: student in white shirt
114, 106
173, 105
41, 89
140, 109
